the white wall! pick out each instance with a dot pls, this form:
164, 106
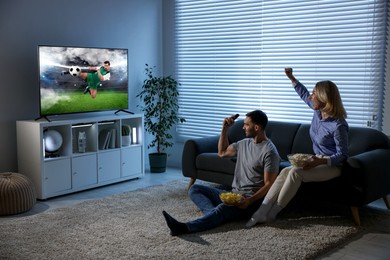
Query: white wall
24, 24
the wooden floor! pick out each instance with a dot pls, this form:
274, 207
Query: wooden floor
375, 244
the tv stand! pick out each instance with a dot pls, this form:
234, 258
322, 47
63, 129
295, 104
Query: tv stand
106, 158
44, 117
123, 110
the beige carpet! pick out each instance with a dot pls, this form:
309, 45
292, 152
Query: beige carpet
131, 226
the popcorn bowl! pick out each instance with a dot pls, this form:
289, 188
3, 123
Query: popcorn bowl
298, 159
230, 198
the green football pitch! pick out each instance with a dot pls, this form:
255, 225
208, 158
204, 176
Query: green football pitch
76, 101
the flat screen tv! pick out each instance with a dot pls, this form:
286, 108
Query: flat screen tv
82, 79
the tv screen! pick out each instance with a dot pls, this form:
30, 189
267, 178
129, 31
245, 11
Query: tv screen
82, 79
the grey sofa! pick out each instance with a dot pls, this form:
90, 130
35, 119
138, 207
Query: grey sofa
365, 175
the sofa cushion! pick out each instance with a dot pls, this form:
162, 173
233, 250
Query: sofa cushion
212, 162
360, 140
366, 139
302, 142
282, 135
236, 132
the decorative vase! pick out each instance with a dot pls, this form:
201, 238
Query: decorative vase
126, 140
158, 162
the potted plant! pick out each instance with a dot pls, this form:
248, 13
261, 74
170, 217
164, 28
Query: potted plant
126, 135
159, 97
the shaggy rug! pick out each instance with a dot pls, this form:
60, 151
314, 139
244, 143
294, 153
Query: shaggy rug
131, 226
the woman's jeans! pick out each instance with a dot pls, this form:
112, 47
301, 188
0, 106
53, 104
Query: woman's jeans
215, 211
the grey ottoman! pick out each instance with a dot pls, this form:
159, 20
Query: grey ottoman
17, 193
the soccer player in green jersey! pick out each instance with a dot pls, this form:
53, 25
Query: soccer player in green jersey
94, 79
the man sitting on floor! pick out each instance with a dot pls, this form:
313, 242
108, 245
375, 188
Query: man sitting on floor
256, 169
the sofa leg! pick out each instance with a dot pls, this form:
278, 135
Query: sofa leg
355, 215
192, 181
387, 202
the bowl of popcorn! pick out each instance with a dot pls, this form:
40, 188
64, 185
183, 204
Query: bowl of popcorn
298, 159
230, 198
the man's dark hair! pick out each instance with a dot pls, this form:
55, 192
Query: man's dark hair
258, 117
107, 62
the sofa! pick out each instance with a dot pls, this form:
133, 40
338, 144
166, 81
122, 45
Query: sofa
365, 175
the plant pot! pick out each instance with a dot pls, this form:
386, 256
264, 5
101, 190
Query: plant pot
158, 162
126, 140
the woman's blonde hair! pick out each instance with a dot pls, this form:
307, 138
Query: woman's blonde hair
328, 93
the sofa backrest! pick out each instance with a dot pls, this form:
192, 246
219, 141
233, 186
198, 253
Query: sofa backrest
294, 138
302, 142
236, 132
282, 134
362, 139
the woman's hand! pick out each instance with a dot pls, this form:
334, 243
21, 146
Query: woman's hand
289, 74
313, 161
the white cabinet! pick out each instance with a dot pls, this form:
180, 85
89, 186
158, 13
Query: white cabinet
101, 159
131, 159
84, 171
57, 177
109, 166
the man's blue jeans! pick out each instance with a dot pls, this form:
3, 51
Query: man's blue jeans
215, 211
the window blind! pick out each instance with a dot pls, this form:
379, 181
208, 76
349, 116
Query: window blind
231, 57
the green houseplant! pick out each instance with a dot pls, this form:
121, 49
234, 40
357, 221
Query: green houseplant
159, 98
126, 135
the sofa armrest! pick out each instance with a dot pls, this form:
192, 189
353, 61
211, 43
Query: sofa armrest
369, 173
192, 148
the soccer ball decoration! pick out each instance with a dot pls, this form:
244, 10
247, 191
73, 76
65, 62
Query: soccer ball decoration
74, 71
52, 140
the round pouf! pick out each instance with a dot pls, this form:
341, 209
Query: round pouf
17, 193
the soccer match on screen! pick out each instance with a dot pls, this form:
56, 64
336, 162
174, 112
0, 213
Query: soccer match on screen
79, 79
